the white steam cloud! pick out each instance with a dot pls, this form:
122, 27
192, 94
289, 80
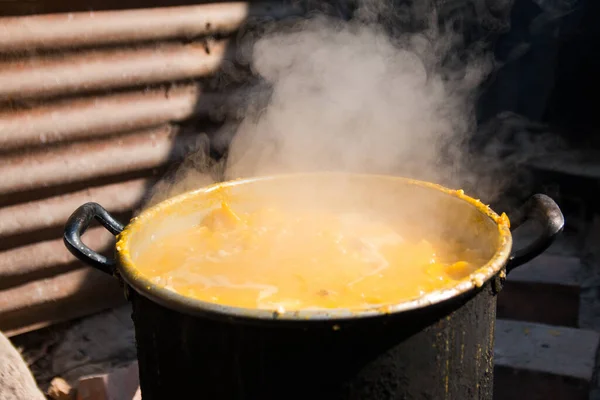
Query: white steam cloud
364, 95
346, 96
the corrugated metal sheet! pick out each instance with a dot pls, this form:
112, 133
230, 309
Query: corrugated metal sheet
97, 116
82, 71
80, 29
92, 104
48, 212
83, 161
41, 259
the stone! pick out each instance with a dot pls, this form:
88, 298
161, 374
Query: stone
60, 390
538, 361
119, 384
545, 290
16, 380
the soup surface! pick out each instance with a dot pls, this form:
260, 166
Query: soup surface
278, 260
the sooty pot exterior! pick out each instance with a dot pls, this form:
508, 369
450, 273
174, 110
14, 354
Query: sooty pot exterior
441, 352
435, 348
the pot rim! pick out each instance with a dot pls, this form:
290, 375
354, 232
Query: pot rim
170, 299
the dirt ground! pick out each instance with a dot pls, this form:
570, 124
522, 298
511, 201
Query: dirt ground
92, 345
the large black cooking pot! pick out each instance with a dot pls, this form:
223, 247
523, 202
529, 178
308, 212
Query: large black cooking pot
439, 346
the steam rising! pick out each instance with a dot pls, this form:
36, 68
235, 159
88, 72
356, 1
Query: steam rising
363, 95
346, 96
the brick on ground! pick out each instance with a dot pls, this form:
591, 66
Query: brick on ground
545, 290
541, 362
120, 384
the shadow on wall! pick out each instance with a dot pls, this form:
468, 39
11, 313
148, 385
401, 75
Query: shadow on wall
94, 107
528, 58
530, 98
573, 103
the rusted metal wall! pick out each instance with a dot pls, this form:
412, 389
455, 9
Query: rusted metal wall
93, 105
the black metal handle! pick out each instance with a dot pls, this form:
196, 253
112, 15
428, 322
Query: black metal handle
76, 226
546, 212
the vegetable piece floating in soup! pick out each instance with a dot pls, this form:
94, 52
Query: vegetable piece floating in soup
276, 260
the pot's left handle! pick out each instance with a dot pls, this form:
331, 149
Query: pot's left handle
76, 226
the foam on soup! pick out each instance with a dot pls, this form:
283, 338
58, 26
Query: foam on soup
278, 259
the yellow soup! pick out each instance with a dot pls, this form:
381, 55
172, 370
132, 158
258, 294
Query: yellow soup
277, 260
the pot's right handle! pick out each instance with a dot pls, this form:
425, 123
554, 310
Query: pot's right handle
546, 212
76, 226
